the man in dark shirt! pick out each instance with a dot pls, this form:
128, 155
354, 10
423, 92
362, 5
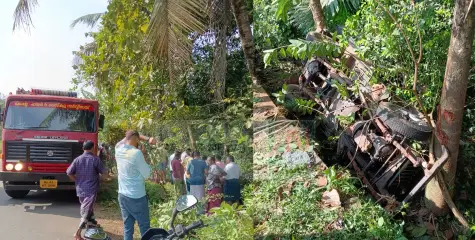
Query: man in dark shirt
86, 171
178, 172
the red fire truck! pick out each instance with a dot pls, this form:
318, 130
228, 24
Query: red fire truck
43, 132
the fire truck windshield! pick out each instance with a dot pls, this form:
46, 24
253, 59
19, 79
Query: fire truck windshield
50, 116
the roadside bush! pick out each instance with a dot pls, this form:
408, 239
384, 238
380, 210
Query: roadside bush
226, 223
157, 193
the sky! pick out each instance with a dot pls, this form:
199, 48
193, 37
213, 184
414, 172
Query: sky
42, 58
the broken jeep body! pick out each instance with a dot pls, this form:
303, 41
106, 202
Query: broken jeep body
378, 146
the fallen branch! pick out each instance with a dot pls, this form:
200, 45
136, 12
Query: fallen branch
273, 124
443, 187
450, 202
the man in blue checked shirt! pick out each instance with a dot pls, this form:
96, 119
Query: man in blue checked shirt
86, 170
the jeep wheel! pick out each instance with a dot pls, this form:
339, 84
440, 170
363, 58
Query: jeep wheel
405, 121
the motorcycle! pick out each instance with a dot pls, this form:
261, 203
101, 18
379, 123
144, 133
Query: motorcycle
94, 232
183, 203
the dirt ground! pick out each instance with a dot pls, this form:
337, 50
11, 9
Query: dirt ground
111, 221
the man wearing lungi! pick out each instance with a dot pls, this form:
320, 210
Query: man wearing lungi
232, 188
86, 170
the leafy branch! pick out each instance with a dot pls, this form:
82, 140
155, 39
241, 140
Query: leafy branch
416, 62
302, 50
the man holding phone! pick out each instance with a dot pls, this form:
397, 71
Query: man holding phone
132, 173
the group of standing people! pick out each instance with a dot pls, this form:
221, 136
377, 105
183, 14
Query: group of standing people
190, 173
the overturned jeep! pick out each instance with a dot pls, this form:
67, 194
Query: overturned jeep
378, 146
379, 150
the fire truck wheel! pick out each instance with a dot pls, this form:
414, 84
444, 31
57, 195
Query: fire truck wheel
17, 193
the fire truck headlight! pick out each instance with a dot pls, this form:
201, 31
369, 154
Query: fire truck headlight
18, 166
9, 167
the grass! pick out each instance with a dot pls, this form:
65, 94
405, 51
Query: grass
287, 202
288, 205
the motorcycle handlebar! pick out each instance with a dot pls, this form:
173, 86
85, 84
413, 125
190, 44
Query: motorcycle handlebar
194, 225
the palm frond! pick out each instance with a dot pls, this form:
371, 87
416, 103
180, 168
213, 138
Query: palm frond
88, 95
171, 24
301, 15
87, 50
22, 14
333, 6
89, 20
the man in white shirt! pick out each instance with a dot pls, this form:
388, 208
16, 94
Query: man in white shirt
132, 173
185, 154
170, 159
232, 188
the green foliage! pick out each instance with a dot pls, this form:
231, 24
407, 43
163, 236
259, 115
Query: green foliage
302, 106
346, 121
298, 105
302, 50
297, 11
299, 214
130, 89
270, 32
334, 6
227, 222
157, 193
383, 44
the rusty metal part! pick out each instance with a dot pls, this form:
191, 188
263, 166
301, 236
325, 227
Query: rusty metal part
363, 178
405, 151
381, 126
381, 147
431, 173
386, 162
398, 161
382, 182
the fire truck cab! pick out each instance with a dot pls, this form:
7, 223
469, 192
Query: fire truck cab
43, 132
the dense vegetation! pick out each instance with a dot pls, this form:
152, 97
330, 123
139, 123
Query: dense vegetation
378, 41
182, 111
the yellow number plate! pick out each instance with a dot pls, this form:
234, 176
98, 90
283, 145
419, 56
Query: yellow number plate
46, 183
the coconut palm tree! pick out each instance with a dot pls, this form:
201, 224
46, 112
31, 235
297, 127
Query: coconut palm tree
90, 20
220, 21
245, 33
318, 17
168, 37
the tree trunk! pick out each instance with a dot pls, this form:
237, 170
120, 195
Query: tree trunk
190, 135
226, 137
245, 33
449, 121
221, 20
318, 17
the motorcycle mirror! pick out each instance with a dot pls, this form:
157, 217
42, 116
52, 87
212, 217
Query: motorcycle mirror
185, 202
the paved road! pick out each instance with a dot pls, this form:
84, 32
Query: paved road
40, 216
